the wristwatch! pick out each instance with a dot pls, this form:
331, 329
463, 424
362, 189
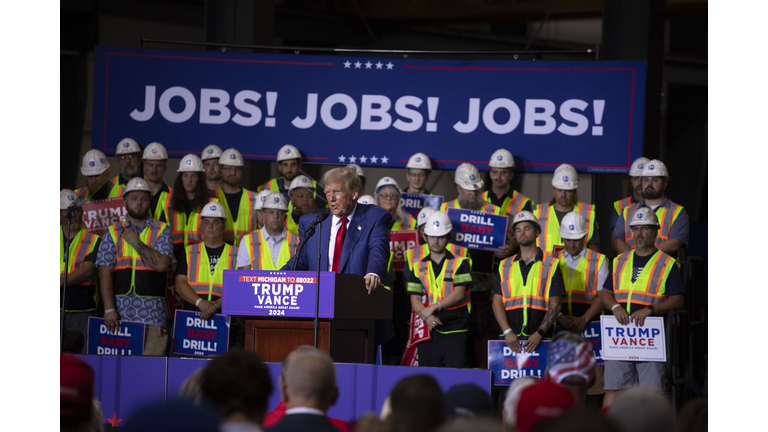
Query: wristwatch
540, 332
653, 309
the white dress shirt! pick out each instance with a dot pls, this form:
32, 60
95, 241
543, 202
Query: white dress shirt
573, 262
274, 243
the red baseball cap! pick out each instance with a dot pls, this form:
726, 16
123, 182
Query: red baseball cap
76, 378
542, 401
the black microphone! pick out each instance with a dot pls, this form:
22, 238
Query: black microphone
321, 216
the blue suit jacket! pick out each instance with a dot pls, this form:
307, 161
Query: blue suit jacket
366, 245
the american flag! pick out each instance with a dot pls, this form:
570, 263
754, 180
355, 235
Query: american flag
566, 358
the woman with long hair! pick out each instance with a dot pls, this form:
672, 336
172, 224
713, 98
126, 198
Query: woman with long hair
189, 195
388, 197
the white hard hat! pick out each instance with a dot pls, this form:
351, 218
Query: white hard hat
288, 152
190, 163
155, 151
213, 209
644, 216
211, 152
136, 184
67, 198
366, 199
637, 167
231, 157
565, 177
260, 199
94, 163
573, 226
419, 161
127, 145
525, 216
424, 213
275, 200
468, 177
655, 168
502, 158
357, 169
301, 181
437, 224
387, 181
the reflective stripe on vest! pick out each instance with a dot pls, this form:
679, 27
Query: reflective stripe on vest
79, 248
246, 220
410, 222
534, 293
650, 286
290, 225
187, 229
437, 288
581, 286
666, 215
115, 192
550, 226
126, 258
163, 206
511, 205
620, 205
489, 208
260, 254
199, 274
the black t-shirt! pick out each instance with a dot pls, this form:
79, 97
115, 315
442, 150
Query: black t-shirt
189, 206
673, 286
213, 257
154, 200
499, 202
233, 202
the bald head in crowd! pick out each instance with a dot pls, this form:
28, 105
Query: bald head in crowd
309, 379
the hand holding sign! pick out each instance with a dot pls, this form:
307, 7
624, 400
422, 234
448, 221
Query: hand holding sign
621, 315
513, 342
532, 343
111, 320
207, 309
639, 316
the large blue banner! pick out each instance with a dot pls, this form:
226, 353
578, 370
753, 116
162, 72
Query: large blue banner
373, 111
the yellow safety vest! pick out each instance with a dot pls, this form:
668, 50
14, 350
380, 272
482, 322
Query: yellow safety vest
79, 247
511, 205
534, 294
290, 225
274, 186
260, 255
651, 284
131, 274
246, 220
666, 215
115, 192
416, 254
550, 226
621, 204
409, 222
489, 208
199, 277
438, 287
187, 228
163, 206
581, 286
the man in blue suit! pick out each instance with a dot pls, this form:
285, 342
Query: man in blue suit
355, 239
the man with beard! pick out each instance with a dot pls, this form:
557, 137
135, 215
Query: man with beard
501, 194
210, 157
133, 262
272, 246
302, 195
95, 163
155, 164
673, 231
636, 182
565, 182
645, 282
289, 165
127, 151
239, 203
529, 289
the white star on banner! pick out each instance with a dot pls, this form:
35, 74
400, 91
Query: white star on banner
390, 66
368, 65
358, 64
374, 159
384, 159
347, 64
379, 65
363, 159
352, 159
342, 158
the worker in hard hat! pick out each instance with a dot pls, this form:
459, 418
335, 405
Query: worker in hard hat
133, 262
445, 279
388, 197
417, 172
529, 289
210, 157
289, 165
673, 232
501, 194
260, 218
644, 283
302, 193
360, 174
128, 151
636, 184
200, 273
80, 247
188, 197
367, 200
238, 202
565, 182
273, 245
155, 164
422, 249
95, 163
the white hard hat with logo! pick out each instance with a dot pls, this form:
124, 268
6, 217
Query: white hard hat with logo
136, 184
357, 169
573, 226
644, 216
155, 151
387, 181
191, 163
231, 157
655, 168
468, 177
211, 152
367, 199
301, 181
419, 161
213, 209
525, 216
565, 177
424, 213
68, 198
502, 158
637, 167
275, 200
437, 225
260, 199
288, 152
127, 145
94, 163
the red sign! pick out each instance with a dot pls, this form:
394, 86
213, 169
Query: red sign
99, 215
417, 333
399, 242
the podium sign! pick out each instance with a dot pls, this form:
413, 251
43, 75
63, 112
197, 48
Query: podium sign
282, 294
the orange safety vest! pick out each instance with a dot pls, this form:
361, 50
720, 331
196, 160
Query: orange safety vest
199, 277
511, 205
581, 286
187, 228
534, 293
550, 234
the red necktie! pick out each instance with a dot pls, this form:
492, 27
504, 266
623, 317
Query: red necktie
339, 245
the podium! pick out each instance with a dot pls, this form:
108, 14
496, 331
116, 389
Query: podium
279, 310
